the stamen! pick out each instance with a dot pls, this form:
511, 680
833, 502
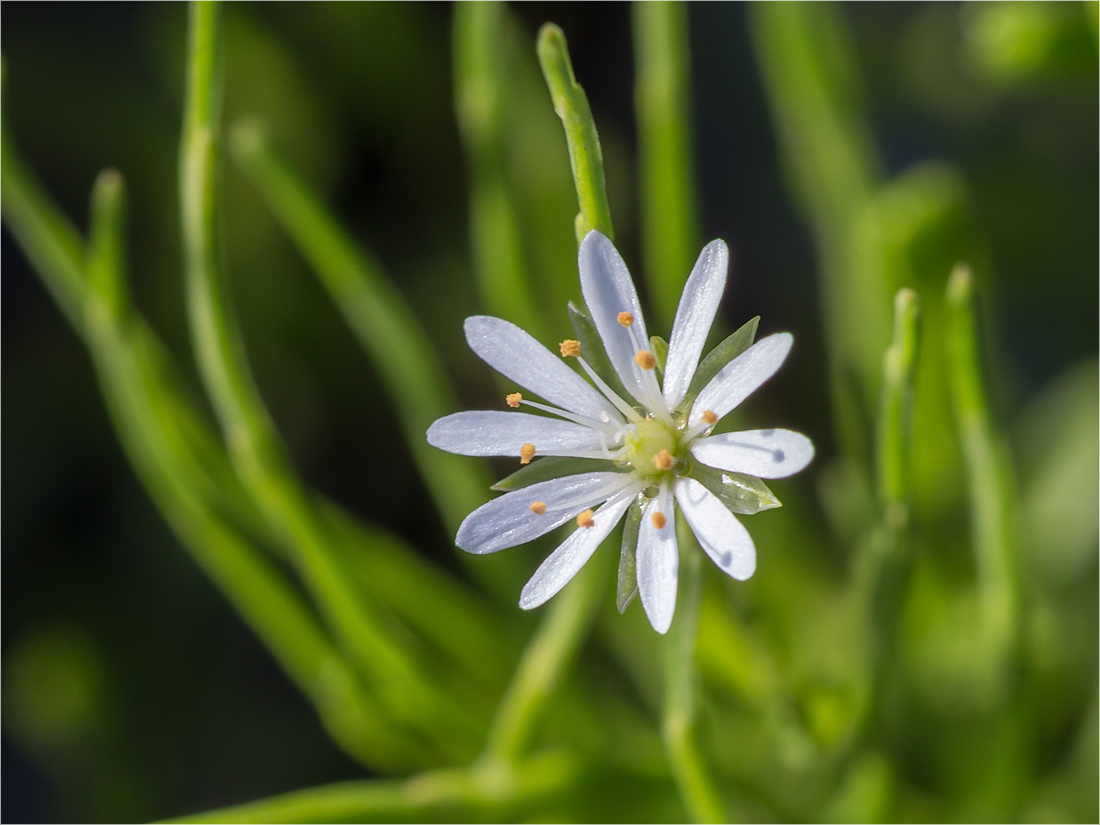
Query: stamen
663, 460
625, 318
513, 399
610, 394
570, 348
645, 359
709, 417
538, 507
526, 453
585, 519
658, 519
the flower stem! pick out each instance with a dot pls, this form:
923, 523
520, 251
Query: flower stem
585, 156
989, 470
662, 100
248, 431
689, 769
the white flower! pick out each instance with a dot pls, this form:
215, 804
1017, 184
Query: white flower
651, 448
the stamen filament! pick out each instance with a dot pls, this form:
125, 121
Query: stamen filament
612, 396
591, 423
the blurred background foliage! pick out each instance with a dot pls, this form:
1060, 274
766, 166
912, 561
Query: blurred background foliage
843, 152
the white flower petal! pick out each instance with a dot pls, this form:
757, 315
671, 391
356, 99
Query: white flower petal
760, 453
495, 432
571, 555
698, 305
516, 355
508, 520
724, 538
658, 563
742, 376
609, 290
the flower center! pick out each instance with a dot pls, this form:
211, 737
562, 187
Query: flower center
651, 448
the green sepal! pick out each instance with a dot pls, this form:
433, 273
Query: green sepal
659, 347
742, 494
593, 352
628, 572
550, 467
718, 357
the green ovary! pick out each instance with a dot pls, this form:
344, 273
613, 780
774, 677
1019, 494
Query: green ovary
648, 439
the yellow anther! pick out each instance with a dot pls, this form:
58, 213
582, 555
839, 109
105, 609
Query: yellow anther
658, 520
513, 399
570, 348
663, 460
538, 507
526, 453
585, 519
625, 318
645, 359
709, 417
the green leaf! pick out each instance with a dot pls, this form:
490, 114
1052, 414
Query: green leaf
718, 357
628, 574
742, 494
593, 352
551, 467
659, 347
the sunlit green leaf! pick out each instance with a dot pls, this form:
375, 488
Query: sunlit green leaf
743, 494
628, 575
718, 357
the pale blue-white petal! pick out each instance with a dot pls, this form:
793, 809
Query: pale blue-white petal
572, 554
698, 305
658, 563
516, 355
742, 376
508, 520
608, 290
719, 532
760, 453
495, 432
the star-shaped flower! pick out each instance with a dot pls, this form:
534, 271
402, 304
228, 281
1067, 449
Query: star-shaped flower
648, 444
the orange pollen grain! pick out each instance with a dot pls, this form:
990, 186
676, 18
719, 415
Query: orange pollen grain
538, 507
513, 399
709, 417
585, 519
658, 520
570, 348
526, 453
625, 318
645, 359
663, 460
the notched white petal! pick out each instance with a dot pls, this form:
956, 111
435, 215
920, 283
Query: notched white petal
694, 317
742, 376
516, 355
658, 563
571, 555
493, 432
760, 453
508, 520
719, 532
608, 291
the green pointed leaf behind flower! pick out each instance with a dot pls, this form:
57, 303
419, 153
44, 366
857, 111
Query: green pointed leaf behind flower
550, 467
659, 347
593, 352
628, 573
718, 357
742, 494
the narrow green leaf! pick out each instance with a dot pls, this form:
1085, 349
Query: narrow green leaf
718, 357
627, 588
551, 467
742, 494
659, 347
593, 351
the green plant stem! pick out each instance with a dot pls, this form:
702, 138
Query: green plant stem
249, 434
662, 100
990, 477
895, 419
502, 277
544, 664
417, 385
457, 794
585, 156
689, 768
